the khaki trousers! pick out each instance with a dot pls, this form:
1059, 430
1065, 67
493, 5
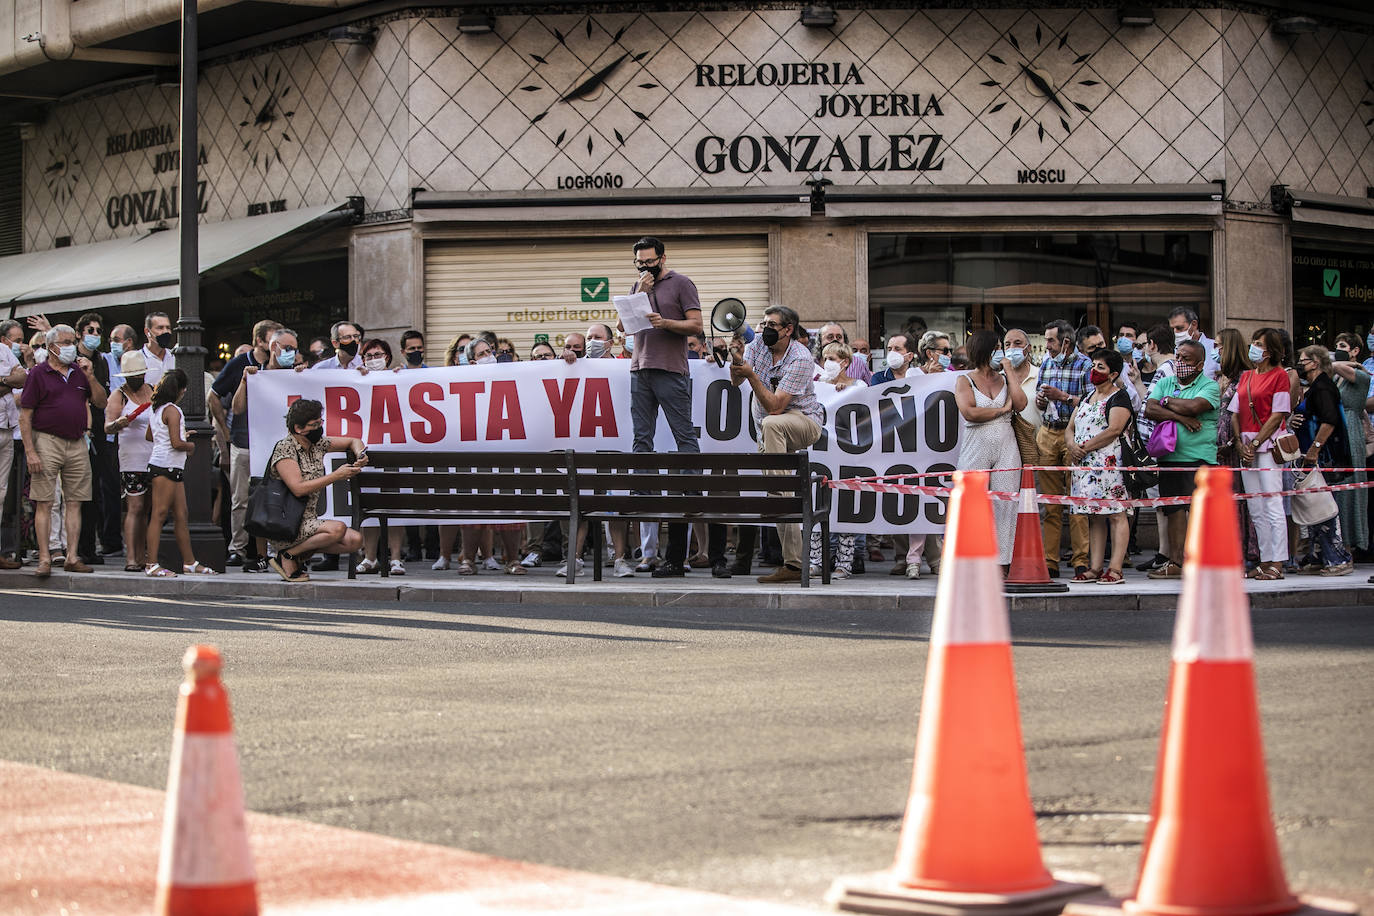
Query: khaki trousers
781, 434
1053, 451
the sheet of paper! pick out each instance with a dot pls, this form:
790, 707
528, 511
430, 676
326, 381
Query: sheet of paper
634, 312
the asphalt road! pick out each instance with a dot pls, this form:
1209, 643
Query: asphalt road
750, 752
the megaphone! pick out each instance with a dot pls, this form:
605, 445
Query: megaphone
728, 317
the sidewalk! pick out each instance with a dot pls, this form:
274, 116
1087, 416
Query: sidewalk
873, 591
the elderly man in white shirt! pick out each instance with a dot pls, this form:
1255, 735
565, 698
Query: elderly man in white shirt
347, 337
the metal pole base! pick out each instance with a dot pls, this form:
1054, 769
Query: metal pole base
880, 893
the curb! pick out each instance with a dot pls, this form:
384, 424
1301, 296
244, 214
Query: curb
819, 598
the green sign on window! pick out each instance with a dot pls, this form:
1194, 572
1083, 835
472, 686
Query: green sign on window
1331, 283
596, 289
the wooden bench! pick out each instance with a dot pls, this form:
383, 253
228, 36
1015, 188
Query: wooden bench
490, 487
720, 488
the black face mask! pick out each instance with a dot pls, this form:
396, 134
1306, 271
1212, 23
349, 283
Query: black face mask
315, 435
770, 337
415, 357
164, 340
350, 349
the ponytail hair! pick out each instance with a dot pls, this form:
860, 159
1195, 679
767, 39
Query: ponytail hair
169, 387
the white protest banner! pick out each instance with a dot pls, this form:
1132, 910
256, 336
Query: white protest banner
908, 426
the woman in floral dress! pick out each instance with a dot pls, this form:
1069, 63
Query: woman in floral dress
1094, 441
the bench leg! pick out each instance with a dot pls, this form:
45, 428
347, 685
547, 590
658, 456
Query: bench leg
384, 550
594, 532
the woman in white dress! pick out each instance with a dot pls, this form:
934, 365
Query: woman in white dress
987, 398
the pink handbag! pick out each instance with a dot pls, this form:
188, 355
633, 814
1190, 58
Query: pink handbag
1163, 440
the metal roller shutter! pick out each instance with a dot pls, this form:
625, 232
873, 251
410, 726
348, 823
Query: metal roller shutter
520, 289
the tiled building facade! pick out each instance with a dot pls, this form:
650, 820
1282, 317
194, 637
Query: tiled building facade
980, 166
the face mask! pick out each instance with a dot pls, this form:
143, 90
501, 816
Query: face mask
1256, 353
1123, 345
487, 360
315, 435
1181, 336
1369, 343
1183, 372
830, 371
1017, 356
862, 358
770, 337
1137, 354
462, 357
92, 341
653, 271
286, 359
1054, 360
40, 355
629, 344
116, 348
14, 348
67, 355
596, 348
415, 357
505, 357
895, 360
998, 356
375, 364
349, 350
944, 360
1097, 376
164, 340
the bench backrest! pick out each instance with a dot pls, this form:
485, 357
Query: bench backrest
447, 483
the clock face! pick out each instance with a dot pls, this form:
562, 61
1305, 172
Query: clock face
1368, 103
63, 171
266, 124
1045, 78
602, 64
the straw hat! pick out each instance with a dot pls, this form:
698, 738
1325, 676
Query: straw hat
132, 363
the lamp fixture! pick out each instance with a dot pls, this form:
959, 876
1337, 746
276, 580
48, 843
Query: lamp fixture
352, 35
1135, 17
1294, 25
27, 130
818, 16
476, 23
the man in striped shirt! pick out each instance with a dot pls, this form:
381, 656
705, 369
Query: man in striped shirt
1061, 384
781, 374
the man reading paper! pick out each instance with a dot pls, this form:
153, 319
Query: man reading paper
659, 373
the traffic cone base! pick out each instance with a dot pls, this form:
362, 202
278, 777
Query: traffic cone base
1306, 906
1029, 574
880, 893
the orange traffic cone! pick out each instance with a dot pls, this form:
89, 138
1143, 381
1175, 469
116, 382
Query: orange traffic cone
206, 868
968, 841
1029, 573
1210, 849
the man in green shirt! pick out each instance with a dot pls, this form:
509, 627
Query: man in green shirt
1190, 399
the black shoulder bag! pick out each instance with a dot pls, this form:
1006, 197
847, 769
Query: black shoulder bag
274, 512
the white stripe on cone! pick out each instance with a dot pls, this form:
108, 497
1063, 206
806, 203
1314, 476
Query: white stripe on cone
969, 607
204, 835
1213, 616
1027, 504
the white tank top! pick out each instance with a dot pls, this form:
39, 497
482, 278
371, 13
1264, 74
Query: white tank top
134, 447
164, 456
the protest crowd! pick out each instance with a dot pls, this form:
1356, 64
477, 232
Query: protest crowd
94, 422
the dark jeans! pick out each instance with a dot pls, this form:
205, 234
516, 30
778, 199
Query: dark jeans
101, 514
650, 391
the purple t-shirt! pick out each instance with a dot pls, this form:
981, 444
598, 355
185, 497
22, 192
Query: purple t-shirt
60, 405
672, 297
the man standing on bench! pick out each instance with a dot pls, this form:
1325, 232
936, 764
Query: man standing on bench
659, 373
781, 373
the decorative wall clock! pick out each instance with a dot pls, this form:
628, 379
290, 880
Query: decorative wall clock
1044, 80
63, 170
266, 126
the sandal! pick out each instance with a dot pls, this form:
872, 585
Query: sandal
195, 568
300, 575
132, 567
159, 572
466, 568
515, 569
1269, 572
1111, 577
1088, 575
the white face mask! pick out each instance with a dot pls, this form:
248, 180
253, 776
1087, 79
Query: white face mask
830, 371
486, 360
376, 364
1017, 355
1181, 336
40, 355
596, 347
895, 360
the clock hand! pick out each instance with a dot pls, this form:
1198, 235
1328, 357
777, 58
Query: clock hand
57, 166
1044, 87
265, 116
590, 85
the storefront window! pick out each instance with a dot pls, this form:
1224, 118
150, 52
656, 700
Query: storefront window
960, 283
1333, 291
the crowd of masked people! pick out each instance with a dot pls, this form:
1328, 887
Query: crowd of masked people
94, 418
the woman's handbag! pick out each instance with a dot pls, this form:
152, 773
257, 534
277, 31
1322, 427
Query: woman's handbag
1286, 445
1309, 508
274, 512
1025, 440
1163, 439
1133, 454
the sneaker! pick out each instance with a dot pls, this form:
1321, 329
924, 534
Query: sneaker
1167, 571
235, 559
623, 569
1156, 562
398, 568
563, 570
720, 570
532, 559
255, 566
841, 573
1340, 569
490, 563
913, 571
441, 563
783, 573
815, 572
646, 565
900, 568
669, 571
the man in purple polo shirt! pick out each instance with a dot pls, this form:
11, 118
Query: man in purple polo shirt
54, 413
659, 374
